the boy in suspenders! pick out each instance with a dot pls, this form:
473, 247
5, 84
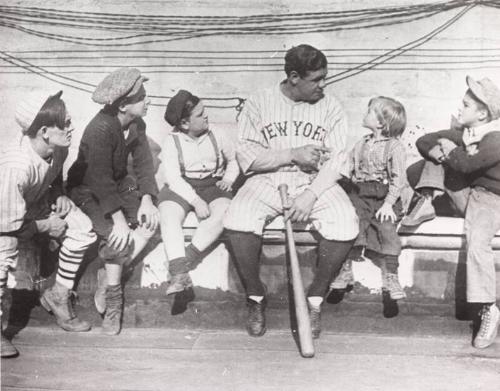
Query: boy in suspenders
378, 174
199, 169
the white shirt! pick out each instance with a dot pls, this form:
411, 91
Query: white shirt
200, 161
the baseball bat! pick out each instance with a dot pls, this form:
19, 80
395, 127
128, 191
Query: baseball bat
301, 310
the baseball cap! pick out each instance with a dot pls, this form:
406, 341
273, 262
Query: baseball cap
31, 104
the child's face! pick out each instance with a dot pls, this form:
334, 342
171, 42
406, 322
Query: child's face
371, 121
198, 121
139, 108
469, 114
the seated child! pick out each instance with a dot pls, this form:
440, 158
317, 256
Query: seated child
200, 168
466, 165
377, 172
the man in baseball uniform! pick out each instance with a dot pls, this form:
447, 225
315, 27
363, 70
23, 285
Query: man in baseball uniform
294, 134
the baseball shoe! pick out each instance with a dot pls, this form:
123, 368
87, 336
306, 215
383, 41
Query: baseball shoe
57, 300
422, 211
490, 320
8, 350
256, 323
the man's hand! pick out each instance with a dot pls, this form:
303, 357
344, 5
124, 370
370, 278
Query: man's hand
446, 146
223, 185
148, 214
436, 154
54, 226
386, 213
301, 207
201, 208
308, 156
62, 206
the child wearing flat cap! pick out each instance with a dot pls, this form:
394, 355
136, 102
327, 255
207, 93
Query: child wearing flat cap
199, 167
465, 163
120, 205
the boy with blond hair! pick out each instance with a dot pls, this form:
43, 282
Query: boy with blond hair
377, 170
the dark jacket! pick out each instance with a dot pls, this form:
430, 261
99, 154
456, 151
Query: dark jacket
103, 156
482, 169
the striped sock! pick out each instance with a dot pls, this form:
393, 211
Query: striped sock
69, 262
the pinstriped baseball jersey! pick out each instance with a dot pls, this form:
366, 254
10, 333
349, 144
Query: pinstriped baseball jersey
26, 179
271, 121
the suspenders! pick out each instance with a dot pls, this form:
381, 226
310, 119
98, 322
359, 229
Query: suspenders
182, 164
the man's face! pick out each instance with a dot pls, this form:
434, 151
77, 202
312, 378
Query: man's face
310, 87
470, 113
60, 137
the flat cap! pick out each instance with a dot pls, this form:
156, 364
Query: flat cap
175, 106
488, 93
29, 107
120, 83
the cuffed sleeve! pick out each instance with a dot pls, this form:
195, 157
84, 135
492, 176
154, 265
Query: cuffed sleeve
488, 155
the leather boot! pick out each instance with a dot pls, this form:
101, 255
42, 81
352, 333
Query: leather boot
8, 349
111, 325
256, 322
57, 301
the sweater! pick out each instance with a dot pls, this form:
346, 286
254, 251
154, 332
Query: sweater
103, 156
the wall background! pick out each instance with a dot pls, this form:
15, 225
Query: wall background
430, 82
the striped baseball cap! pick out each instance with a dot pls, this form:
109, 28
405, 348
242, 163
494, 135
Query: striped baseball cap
30, 106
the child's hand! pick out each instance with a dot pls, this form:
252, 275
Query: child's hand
446, 146
201, 209
223, 185
386, 213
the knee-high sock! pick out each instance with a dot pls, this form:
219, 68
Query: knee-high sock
246, 247
331, 255
69, 263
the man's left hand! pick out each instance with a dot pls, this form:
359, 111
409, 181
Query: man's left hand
301, 207
148, 214
62, 206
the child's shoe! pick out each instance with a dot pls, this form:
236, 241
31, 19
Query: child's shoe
422, 211
391, 284
178, 283
490, 320
345, 278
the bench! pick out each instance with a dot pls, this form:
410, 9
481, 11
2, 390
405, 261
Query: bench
429, 260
